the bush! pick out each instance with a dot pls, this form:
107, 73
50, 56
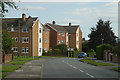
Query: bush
44, 52
116, 50
76, 53
75, 49
100, 50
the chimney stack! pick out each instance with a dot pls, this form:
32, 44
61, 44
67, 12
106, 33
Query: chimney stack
70, 24
53, 22
23, 16
29, 17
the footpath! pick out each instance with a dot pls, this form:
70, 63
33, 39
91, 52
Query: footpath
29, 71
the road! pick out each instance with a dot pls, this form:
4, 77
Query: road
73, 68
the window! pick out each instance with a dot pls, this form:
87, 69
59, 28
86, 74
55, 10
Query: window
63, 34
40, 30
45, 31
58, 33
15, 29
24, 50
40, 40
24, 30
8, 29
25, 40
16, 39
12, 29
45, 40
77, 42
15, 49
45, 49
59, 41
39, 49
63, 41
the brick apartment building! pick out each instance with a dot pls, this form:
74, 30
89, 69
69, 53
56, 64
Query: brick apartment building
64, 34
27, 33
46, 38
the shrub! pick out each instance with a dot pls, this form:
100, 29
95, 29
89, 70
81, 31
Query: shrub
100, 50
116, 49
75, 49
44, 52
76, 53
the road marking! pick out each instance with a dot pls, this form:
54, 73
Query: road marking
81, 70
63, 61
74, 67
90, 75
18, 70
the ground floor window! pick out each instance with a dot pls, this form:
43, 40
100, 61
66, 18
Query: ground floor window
39, 49
24, 50
45, 49
15, 49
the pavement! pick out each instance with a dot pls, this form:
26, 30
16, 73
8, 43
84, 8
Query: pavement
52, 68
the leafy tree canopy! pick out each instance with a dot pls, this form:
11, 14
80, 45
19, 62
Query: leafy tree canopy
100, 34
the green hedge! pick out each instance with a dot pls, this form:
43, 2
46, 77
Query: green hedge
100, 50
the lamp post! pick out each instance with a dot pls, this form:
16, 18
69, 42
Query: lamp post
68, 44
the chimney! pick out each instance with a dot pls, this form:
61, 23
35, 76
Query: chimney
53, 22
29, 17
23, 16
70, 24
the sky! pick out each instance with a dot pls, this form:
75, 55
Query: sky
85, 14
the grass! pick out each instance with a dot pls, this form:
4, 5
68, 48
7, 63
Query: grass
116, 69
22, 60
96, 63
9, 68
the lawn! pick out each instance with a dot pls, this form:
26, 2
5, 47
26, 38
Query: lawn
4, 75
116, 69
22, 60
9, 68
96, 63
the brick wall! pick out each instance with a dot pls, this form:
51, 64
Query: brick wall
61, 38
72, 41
53, 37
80, 39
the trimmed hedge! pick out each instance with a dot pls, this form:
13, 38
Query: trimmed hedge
100, 50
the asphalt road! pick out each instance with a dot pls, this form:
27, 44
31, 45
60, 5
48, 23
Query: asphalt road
73, 68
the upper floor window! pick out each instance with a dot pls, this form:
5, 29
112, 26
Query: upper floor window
40, 40
40, 30
63, 41
63, 34
58, 33
16, 39
24, 50
45, 31
24, 29
45, 40
39, 49
25, 40
12, 29
59, 41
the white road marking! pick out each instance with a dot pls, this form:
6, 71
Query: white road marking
89, 75
74, 67
81, 70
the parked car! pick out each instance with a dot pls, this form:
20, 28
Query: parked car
82, 55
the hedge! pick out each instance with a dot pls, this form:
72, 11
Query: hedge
100, 50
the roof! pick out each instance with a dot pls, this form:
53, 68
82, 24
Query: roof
69, 29
45, 28
13, 22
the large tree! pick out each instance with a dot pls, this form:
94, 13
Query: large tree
7, 42
4, 6
100, 34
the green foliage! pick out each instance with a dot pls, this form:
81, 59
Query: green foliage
96, 63
9, 68
85, 47
76, 53
60, 49
7, 42
100, 50
4, 75
102, 33
75, 49
44, 51
116, 50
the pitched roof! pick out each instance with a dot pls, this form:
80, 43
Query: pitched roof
69, 29
13, 22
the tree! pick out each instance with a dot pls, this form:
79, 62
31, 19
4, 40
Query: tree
4, 5
7, 42
100, 34
116, 49
85, 47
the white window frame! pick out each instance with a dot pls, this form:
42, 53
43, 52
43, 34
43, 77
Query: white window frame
12, 29
26, 50
15, 49
25, 38
45, 40
59, 41
26, 31
40, 50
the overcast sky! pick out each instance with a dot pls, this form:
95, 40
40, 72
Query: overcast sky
86, 14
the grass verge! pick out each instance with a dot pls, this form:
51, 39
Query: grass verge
116, 69
9, 68
96, 63
22, 60
4, 75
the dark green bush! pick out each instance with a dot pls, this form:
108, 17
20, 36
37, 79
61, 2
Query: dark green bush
116, 50
75, 49
100, 50
44, 51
